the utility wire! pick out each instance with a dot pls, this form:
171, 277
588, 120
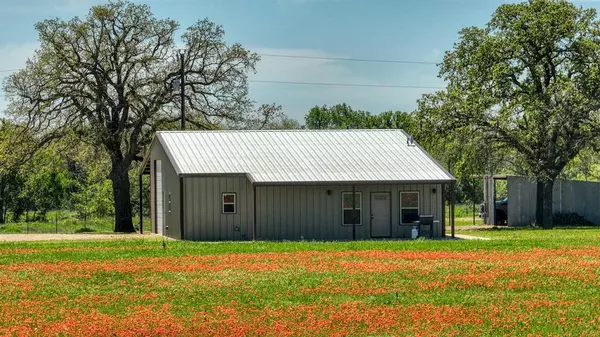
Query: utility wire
338, 85
347, 59
349, 84
322, 83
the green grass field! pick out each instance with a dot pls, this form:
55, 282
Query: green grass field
463, 215
523, 282
65, 222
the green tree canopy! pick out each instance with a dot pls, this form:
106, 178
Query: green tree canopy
109, 76
342, 116
529, 81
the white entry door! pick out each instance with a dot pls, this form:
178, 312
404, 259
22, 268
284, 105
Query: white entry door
160, 208
381, 221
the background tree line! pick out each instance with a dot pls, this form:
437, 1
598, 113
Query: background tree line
522, 97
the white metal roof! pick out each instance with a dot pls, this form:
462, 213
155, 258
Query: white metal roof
309, 156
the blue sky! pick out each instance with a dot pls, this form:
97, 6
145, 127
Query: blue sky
367, 29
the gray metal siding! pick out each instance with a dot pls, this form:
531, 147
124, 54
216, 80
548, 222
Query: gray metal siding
580, 197
307, 212
170, 188
204, 219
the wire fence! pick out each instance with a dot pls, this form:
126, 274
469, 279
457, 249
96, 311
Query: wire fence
66, 222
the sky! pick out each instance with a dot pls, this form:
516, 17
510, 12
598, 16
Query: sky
401, 30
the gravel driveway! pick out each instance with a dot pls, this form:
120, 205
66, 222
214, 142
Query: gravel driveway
66, 237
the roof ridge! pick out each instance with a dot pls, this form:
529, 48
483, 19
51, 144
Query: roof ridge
288, 130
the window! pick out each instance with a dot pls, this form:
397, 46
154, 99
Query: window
409, 207
228, 203
349, 216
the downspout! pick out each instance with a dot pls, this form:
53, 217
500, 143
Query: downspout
181, 207
353, 212
254, 212
141, 205
443, 210
452, 198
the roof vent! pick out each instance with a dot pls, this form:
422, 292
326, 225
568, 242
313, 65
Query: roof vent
410, 141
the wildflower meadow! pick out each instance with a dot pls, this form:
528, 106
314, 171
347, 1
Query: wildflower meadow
525, 283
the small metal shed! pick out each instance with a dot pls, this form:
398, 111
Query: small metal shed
292, 185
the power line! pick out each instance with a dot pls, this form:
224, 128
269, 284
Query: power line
340, 85
334, 85
349, 84
348, 59
318, 58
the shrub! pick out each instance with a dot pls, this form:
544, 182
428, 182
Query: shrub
85, 230
570, 219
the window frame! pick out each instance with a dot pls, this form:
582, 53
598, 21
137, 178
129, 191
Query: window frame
418, 208
223, 203
358, 208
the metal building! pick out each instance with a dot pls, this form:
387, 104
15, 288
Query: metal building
568, 196
292, 185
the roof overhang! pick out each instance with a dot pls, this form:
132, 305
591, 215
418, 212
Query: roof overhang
217, 175
145, 167
370, 182
495, 176
313, 183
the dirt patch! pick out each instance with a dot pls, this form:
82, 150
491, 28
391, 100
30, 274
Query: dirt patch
474, 228
470, 237
70, 237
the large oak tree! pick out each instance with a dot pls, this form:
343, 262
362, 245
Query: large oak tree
530, 81
109, 77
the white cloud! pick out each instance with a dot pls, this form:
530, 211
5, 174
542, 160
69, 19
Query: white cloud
298, 99
305, 1
19, 7
13, 56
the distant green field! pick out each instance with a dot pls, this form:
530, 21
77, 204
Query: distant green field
65, 222
529, 234
533, 283
464, 216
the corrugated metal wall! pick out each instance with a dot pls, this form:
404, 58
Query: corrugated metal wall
582, 197
290, 212
204, 219
170, 192
308, 212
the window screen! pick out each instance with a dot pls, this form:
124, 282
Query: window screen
409, 207
229, 203
350, 215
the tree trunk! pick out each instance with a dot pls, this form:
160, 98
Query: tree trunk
539, 204
547, 209
543, 207
120, 182
2, 210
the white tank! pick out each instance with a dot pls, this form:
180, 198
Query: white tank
414, 233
